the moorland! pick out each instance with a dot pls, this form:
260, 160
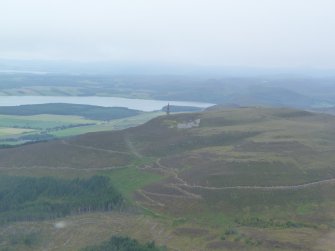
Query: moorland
247, 178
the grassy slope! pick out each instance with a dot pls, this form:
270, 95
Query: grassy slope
115, 124
130, 179
232, 147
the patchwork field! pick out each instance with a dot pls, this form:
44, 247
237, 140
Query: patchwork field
223, 179
7, 131
32, 123
45, 121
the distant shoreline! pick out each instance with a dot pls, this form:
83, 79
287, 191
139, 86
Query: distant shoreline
137, 104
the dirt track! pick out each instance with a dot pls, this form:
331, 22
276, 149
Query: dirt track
183, 183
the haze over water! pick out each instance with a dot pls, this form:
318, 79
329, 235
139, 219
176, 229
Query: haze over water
137, 104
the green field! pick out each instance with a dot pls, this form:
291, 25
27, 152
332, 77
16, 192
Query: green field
129, 180
8, 131
18, 129
42, 122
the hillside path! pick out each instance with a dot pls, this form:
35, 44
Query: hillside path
289, 187
183, 183
93, 148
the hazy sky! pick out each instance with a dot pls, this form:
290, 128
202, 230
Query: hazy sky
198, 32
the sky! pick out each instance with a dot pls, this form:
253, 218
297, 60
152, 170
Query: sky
251, 33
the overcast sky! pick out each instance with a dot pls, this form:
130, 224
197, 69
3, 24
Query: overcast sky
275, 33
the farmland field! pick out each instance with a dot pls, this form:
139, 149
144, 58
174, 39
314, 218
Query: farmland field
7, 131
45, 121
31, 124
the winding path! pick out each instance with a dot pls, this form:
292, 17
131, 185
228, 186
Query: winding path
183, 183
62, 168
94, 148
290, 187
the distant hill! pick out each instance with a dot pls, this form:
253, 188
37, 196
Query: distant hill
328, 110
273, 90
175, 108
86, 111
272, 96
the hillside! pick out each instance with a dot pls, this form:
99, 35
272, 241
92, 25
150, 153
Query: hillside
222, 179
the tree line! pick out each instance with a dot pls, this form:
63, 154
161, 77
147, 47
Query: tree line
31, 198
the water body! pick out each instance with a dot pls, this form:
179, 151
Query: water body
138, 104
